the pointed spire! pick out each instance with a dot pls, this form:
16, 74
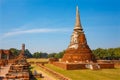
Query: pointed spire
78, 23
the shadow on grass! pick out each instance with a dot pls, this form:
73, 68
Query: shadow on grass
33, 75
31, 67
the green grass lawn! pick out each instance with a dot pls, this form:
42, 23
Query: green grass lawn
37, 68
103, 74
84, 74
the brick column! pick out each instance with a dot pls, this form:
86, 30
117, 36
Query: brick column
0, 55
7, 56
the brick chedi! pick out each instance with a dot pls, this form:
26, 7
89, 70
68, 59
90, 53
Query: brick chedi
21, 58
22, 53
78, 50
78, 55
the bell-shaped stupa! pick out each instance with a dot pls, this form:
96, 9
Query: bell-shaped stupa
78, 50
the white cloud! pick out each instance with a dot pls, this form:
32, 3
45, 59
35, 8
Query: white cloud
30, 31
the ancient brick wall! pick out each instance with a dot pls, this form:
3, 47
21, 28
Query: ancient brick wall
106, 65
68, 66
116, 62
61, 65
76, 66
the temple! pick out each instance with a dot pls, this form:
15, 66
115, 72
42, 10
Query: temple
78, 55
5, 52
22, 53
78, 50
18, 67
21, 58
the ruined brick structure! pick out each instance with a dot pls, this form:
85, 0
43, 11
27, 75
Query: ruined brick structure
21, 59
19, 69
78, 50
6, 52
78, 55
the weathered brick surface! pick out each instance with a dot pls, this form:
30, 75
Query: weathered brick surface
69, 66
78, 49
76, 66
115, 62
82, 53
106, 65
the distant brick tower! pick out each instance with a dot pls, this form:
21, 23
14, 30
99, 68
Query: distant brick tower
23, 49
78, 50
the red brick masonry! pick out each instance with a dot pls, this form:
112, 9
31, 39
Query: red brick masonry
75, 66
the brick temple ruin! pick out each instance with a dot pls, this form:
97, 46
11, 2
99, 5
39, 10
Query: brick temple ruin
78, 50
18, 68
5, 52
78, 55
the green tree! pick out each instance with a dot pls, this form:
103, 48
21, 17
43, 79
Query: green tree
110, 53
28, 54
117, 53
15, 52
56, 55
51, 55
44, 55
36, 55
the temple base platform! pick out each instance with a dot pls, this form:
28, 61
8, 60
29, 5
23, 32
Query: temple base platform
76, 66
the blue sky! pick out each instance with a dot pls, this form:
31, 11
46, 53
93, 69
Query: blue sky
46, 25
